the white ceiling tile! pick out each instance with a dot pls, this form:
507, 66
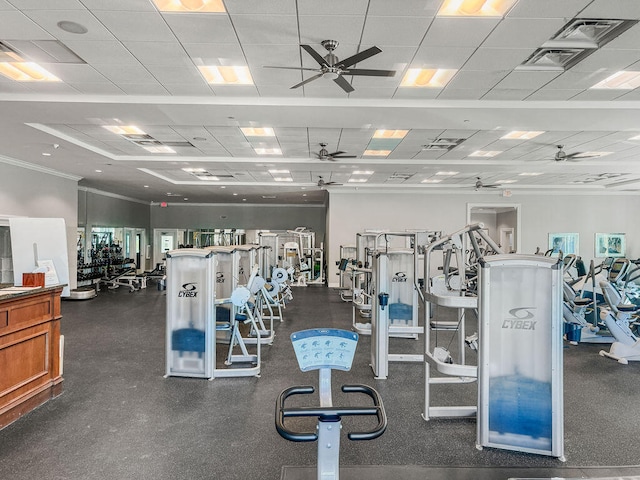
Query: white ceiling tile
417, 93
49, 18
459, 31
521, 33
115, 5
553, 94
395, 31
311, 91
599, 94
126, 73
547, 9
132, 26
13, 87
572, 79
235, 90
633, 96
210, 28
187, 89
497, 58
16, 25
344, 29
405, 8
176, 74
266, 29
275, 91
611, 59
469, 79
625, 9
359, 81
627, 40
462, 94
53, 87
524, 80
312, 7
159, 53
372, 92
73, 73
102, 52
97, 88
5, 5
51, 5
254, 7
506, 94
272, 77
442, 57
143, 89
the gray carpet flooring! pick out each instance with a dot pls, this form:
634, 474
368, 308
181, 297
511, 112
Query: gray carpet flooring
119, 418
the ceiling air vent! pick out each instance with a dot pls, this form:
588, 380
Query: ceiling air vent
554, 59
443, 144
399, 177
578, 39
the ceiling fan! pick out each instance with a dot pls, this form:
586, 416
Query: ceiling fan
324, 154
561, 156
322, 183
480, 185
333, 68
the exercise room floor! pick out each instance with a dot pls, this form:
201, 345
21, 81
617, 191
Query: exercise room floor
119, 418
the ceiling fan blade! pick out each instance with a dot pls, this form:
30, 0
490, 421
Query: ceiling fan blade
346, 86
358, 57
346, 156
336, 153
372, 73
304, 82
316, 56
292, 68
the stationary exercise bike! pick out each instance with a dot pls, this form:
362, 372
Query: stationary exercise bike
324, 350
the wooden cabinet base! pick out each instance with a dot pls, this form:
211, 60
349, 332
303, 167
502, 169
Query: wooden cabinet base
29, 351
11, 413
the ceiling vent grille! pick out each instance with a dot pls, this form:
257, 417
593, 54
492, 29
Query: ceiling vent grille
41, 51
578, 39
443, 144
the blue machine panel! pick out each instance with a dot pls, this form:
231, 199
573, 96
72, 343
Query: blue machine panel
324, 348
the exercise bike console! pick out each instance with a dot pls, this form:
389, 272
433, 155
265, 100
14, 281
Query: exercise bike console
324, 350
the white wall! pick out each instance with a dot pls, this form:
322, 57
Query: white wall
34, 192
541, 214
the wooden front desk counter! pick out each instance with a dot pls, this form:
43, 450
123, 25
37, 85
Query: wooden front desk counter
29, 351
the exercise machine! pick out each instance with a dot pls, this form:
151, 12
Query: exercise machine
324, 350
619, 318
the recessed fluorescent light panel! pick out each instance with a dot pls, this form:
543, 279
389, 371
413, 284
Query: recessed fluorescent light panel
485, 153
447, 173
283, 179
637, 137
622, 80
432, 78
357, 180
192, 6
278, 171
257, 132
476, 8
520, 135
26, 72
505, 181
160, 149
268, 151
124, 129
363, 172
390, 133
431, 180
529, 174
376, 153
216, 75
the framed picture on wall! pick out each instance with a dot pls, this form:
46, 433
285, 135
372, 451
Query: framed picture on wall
565, 242
610, 245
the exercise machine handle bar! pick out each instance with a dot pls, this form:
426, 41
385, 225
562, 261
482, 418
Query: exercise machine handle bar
329, 414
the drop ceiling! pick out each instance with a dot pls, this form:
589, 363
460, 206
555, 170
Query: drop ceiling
137, 66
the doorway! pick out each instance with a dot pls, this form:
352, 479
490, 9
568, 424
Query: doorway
501, 221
